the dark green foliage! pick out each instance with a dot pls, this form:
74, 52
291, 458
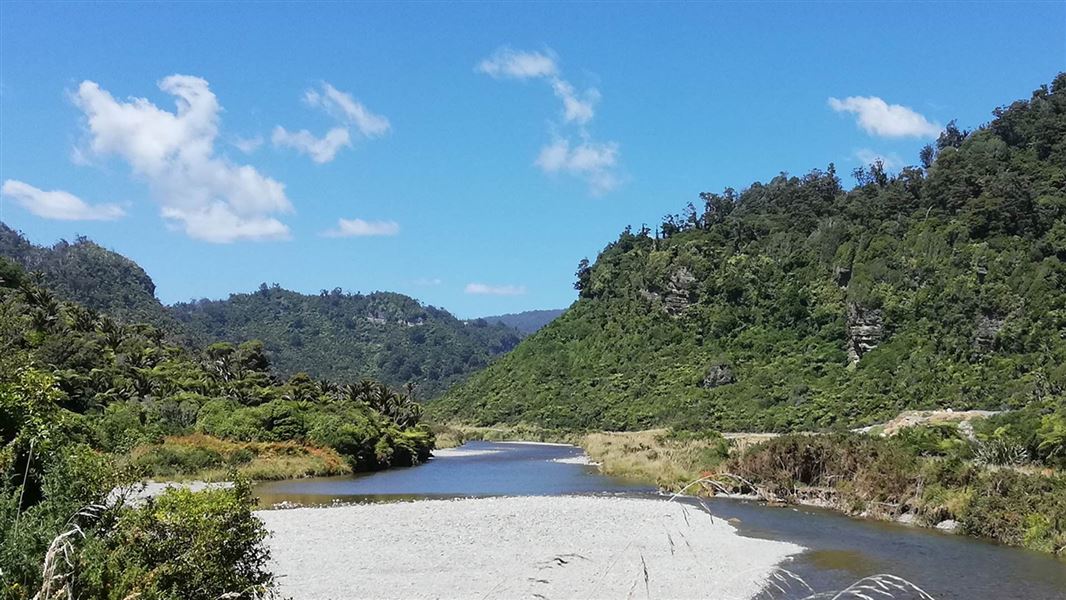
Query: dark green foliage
180, 545
93, 276
339, 336
931, 288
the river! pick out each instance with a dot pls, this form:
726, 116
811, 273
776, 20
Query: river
840, 549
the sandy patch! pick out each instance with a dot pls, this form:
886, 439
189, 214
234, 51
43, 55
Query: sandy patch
575, 460
452, 452
554, 547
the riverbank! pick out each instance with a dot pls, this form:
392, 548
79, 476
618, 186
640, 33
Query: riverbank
554, 547
923, 479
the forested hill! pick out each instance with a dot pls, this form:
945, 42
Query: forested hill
526, 322
90, 275
337, 336
798, 305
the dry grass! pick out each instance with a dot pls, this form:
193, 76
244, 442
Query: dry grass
208, 458
655, 455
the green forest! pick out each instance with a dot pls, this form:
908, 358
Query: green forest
333, 335
798, 304
89, 405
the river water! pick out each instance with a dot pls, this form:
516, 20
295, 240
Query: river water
840, 551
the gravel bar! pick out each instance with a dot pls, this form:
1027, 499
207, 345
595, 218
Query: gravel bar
516, 547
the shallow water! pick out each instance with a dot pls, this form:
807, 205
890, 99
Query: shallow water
840, 549
480, 469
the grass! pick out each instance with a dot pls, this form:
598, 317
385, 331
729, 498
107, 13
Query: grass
658, 456
208, 458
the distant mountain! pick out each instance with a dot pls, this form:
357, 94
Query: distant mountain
343, 337
527, 322
798, 304
89, 274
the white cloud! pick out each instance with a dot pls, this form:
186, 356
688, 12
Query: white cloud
878, 117
57, 204
321, 150
595, 162
248, 145
867, 156
495, 290
361, 228
508, 63
592, 161
347, 109
428, 281
578, 109
207, 196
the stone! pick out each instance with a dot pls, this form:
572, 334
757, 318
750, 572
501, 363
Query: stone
718, 375
988, 326
679, 290
950, 525
865, 330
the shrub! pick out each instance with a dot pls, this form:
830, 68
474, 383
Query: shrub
181, 545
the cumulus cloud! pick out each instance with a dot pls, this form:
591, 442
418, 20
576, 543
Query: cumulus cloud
207, 196
595, 162
591, 160
361, 228
495, 290
321, 150
57, 204
347, 109
867, 156
880, 118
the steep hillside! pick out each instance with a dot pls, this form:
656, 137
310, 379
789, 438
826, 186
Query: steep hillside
91, 275
340, 336
526, 322
799, 305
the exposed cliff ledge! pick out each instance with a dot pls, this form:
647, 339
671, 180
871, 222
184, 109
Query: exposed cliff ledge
865, 330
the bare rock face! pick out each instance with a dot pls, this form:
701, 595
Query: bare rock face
988, 326
679, 291
865, 330
718, 375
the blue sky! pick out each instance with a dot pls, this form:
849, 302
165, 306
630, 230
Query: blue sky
475, 151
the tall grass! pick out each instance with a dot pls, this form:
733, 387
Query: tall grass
658, 455
209, 458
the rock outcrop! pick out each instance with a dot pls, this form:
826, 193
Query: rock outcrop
679, 291
988, 326
865, 330
718, 375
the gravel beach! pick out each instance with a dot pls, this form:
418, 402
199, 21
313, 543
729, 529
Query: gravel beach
516, 547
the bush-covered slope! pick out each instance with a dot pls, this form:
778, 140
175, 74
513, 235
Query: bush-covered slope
91, 275
338, 336
799, 305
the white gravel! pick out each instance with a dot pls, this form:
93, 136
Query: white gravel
575, 460
451, 452
551, 547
